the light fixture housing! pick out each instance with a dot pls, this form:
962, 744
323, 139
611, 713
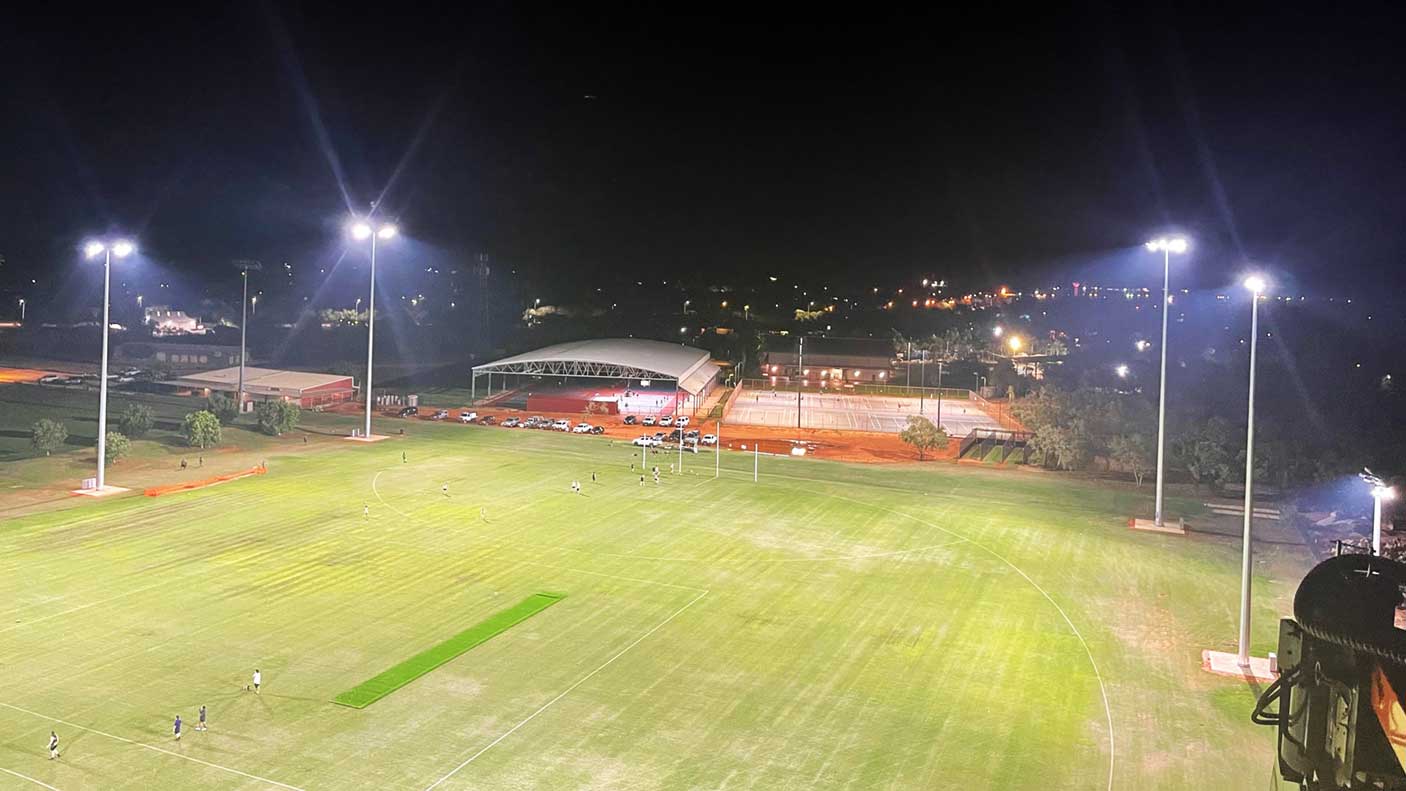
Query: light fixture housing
360, 231
123, 248
1256, 284
93, 249
388, 232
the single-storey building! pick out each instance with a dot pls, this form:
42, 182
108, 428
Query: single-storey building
267, 384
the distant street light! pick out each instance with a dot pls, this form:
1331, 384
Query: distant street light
361, 230
1256, 285
254, 304
139, 302
997, 330
244, 267
746, 312
1167, 246
21, 308
1015, 343
120, 248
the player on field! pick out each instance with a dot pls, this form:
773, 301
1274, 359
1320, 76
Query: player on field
200, 726
445, 489
176, 727
258, 679
53, 745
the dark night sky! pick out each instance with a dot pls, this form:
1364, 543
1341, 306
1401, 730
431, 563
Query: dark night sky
983, 148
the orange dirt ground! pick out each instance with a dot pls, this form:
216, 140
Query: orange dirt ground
12, 375
859, 446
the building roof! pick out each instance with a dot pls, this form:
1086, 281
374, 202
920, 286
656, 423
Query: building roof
614, 358
262, 380
845, 352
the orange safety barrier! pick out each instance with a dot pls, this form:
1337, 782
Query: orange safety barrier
157, 491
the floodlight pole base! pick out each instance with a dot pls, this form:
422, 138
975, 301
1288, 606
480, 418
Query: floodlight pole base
105, 491
367, 438
1177, 528
1226, 663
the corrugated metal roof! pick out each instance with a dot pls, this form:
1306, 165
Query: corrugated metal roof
261, 379
690, 366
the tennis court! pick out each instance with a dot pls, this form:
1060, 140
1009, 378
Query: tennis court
847, 412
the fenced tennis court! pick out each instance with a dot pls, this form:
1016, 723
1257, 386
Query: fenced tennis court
855, 412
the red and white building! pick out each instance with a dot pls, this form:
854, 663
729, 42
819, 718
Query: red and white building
267, 384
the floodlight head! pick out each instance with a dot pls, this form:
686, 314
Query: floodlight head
1178, 244
360, 231
388, 232
123, 248
1256, 284
1153, 245
1015, 343
1122, 371
93, 249
1383, 493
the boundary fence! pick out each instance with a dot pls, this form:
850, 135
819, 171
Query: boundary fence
789, 385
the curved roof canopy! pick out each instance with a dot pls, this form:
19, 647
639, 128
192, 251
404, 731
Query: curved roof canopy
614, 358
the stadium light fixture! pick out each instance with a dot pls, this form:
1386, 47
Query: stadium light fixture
997, 330
1256, 284
107, 249
1122, 371
1015, 343
361, 230
1381, 493
1166, 246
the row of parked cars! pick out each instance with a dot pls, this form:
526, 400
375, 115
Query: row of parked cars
122, 378
665, 421
538, 421
677, 435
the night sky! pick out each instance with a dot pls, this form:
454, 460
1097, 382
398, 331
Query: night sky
579, 145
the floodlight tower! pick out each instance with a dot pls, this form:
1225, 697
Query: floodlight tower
244, 268
120, 248
1380, 493
1167, 246
361, 230
1256, 285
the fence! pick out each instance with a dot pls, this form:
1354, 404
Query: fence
783, 383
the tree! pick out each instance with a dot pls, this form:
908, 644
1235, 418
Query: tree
1203, 451
276, 417
47, 435
136, 420
923, 435
201, 429
223, 407
1132, 452
118, 446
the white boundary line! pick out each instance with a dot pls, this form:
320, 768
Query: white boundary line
27, 777
149, 747
564, 693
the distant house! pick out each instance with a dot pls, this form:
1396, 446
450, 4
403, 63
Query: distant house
164, 321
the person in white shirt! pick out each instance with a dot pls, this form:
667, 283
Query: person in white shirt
258, 679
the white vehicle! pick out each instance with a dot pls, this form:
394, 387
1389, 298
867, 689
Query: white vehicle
682, 421
582, 428
562, 425
468, 417
53, 380
710, 439
643, 442
666, 421
648, 421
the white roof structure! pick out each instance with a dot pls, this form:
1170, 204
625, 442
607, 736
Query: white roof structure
614, 358
267, 381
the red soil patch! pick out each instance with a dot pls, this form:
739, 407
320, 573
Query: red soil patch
157, 491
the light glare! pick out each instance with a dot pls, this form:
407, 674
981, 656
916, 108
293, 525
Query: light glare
1255, 283
93, 249
387, 232
123, 248
360, 231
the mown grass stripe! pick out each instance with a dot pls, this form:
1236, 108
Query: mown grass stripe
383, 684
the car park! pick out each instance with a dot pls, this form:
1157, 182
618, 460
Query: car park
582, 428
511, 422
666, 421
630, 420
442, 414
468, 417
562, 424
648, 421
682, 421
710, 439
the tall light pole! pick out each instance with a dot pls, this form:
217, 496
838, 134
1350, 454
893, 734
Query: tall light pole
1256, 284
21, 309
1380, 493
120, 248
800, 371
1167, 246
244, 267
361, 230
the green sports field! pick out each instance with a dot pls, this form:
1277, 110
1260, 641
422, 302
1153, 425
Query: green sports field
832, 626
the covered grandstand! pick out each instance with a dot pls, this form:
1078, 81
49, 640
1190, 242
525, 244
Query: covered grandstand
613, 375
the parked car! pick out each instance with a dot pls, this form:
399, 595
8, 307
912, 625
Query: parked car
73, 380
648, 420
682, 421
133, 372
597, 429
691, 434
582, 428
511, 422
440, 414
666, 421
488, 420
126, 380
643, 442
631, 420
53, 380
468, 417
710, 439
562, 424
